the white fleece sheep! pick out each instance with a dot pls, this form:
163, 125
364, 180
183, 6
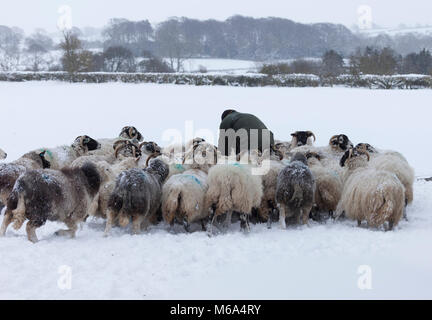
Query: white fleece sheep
370, 194
233, 187
183, 195
395, 163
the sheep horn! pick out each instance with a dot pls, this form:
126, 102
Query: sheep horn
363, 151
141, 144
153, 155
117, 150
335, 136
130, 132
134, 151
118, 142
311, 134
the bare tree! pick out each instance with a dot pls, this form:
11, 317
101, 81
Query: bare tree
74, 59
171, 43
119, 59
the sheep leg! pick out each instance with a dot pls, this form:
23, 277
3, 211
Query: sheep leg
31, 233
244, 222
137, 219
212, 221
186, 225
269, 219
227, 222
359, 223
109, 223
305, 215
68, 232
282, 217
203, 225
8, 218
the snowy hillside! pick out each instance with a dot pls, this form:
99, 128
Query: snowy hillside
315, 261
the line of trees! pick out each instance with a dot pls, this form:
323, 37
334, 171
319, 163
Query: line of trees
376, 61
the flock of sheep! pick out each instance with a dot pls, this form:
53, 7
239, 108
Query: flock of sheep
125, 180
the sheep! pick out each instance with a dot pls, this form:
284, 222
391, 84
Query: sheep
370, 194
299, 138
178, 149
183, 195
3, 155
121, 148
128, 156
267, 210
232, 187
329, 186
63, 156
295, 191
395, 163
66, 195
137, 195
9, 172
127, 133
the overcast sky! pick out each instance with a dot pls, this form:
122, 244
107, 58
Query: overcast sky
30, 14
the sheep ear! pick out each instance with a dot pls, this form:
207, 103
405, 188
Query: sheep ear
294, 134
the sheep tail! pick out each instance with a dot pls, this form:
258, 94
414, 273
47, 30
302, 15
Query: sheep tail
382, 214
329, 198
297, 197
17, 206
171, 204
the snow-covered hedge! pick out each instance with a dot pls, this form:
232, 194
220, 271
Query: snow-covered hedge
246, 80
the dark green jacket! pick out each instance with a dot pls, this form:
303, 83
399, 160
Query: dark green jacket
237, 121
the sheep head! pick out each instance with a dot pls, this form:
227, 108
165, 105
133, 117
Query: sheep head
353, 154
83, 144
299, 157
202, 156
302, 138
150, 147
340, 142
127, 149
367, 147
158, 168
130, 132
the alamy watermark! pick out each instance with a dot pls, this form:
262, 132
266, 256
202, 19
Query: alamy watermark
64, 281
364, 20
64, 21
364, 282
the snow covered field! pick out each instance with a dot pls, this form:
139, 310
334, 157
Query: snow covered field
315, 261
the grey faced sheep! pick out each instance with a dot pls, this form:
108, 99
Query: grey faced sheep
328, 186
295, 191
40, 159
183, 195
66, 195
233, 188
376, 196
137, 195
